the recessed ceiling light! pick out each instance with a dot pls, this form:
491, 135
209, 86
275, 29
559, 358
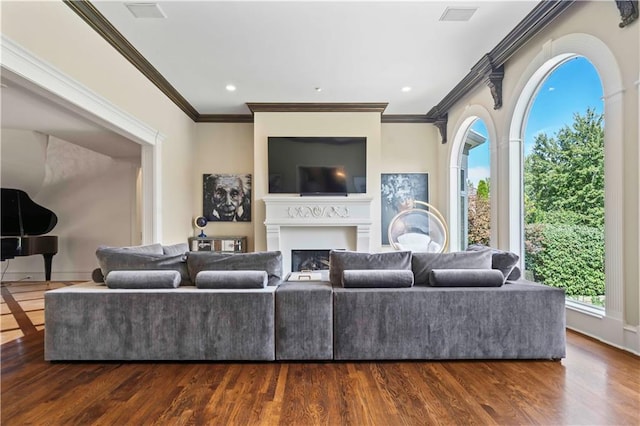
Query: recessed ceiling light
230, 87
145, 10
458, 14
406, 89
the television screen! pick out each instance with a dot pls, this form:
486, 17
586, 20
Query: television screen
317, 165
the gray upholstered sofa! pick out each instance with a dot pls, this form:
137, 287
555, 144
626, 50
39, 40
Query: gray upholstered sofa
380, 317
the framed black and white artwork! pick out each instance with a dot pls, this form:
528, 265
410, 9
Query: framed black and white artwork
226, 197
398, 191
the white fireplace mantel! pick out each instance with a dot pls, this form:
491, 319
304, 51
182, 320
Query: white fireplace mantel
315, 211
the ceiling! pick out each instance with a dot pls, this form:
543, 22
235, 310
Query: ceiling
354, 51
25, 107
280, 52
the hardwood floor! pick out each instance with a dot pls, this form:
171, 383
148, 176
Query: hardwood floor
595, 384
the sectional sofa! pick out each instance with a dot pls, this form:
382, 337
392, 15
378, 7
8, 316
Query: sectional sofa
161, 303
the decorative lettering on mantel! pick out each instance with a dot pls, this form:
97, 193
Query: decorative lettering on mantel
318, 211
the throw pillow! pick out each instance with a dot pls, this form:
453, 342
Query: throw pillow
232, 279
423, 263
116, 259
340, 260
143, 279
269, 261
377, 278
465, 278
515, 275
97, 277
505, 261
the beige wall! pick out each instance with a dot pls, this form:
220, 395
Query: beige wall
222, 148
229, 148
600, 20
55, 34
413, 148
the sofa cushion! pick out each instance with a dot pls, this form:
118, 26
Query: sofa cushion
423, 263
232, 279
505, 261
377, 278
269, 261
340, 260
120, 259
143, 279
465, 278
175, 249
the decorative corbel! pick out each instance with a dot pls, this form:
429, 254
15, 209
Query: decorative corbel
494, 81
628, 11
441, 124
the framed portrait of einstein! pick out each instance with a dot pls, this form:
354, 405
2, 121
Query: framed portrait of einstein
227, 197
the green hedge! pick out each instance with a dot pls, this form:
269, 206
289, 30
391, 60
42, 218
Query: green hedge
566, 256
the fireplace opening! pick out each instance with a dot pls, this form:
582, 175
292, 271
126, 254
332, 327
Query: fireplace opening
309, 260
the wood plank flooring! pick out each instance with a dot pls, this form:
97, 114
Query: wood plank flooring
22, 307
595, 384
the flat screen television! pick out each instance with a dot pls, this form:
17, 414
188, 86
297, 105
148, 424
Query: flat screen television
317, 165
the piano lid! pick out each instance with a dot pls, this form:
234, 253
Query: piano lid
22, 216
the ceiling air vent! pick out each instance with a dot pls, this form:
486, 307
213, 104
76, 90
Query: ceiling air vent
458, 14
145, 10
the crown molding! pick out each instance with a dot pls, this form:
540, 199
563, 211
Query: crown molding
102, 26
317, 107
406, 118
224, 118
542, 15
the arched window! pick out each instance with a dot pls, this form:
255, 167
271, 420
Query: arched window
563, 174
472, 209
556, 52
475, 179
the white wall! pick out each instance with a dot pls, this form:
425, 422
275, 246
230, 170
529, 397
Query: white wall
93, 196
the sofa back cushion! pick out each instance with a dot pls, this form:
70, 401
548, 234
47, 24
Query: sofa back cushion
268, 261
125, 259
339, 261
175, 249
504, 261
423, 263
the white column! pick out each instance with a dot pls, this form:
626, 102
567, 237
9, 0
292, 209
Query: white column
613, 205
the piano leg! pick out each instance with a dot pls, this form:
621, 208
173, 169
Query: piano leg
47, 265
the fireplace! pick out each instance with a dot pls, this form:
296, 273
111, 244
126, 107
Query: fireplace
315, 223
309, 260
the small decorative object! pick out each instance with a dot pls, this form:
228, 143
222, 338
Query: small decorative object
200, 222
398, 193
227, 197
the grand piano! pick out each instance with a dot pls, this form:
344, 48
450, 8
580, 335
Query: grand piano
24, 224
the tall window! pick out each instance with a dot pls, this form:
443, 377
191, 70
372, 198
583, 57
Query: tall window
564, 183
475, 196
